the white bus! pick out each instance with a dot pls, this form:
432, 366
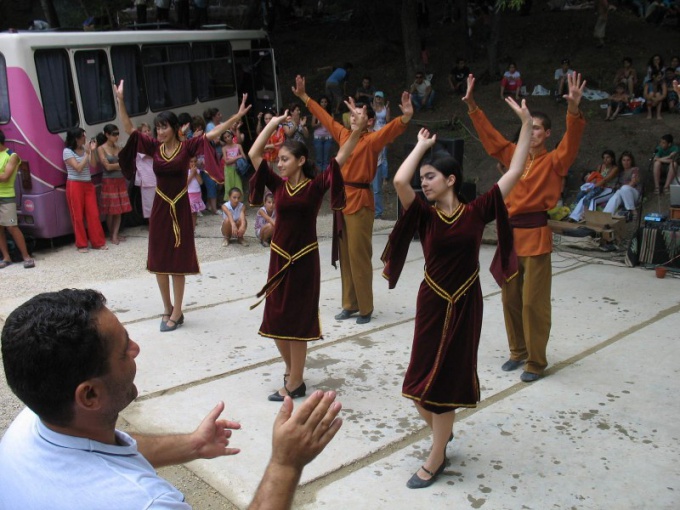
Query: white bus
53, 81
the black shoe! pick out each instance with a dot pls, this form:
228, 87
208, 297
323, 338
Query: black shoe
512, 364
165, 326
415, 482
300, 391
364, 319
529, 377
345, 314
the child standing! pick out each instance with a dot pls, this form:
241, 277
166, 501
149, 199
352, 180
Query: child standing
234, 219
231, 152
194, 182
265, 220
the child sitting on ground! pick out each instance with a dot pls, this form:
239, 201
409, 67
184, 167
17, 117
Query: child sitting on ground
265, 221
511, 82
234, 220
561, 74
194, 182
618, 102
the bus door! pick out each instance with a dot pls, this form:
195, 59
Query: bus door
256, 76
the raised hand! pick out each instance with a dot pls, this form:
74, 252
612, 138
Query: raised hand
243, 109
360, 115
211, 438
425, 139
576, 86
299, 89
301, 436
279, 120
118, 91
469, 94
521, 111
406, 106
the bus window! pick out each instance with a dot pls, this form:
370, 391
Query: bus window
213, 70
4, 95
56, 89
94, 82
167, 72
127, 65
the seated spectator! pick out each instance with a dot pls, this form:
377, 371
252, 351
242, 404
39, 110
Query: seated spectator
675, 65
618, 102
70, 360
655, 94
365, 93
627, 76
598, 187
511, 82
458, 77
265, 221
561, 74
671, 101
654, 64
665, 156
234, 221
422, 95
629, 192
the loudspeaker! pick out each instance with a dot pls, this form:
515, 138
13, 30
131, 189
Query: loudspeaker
443, 147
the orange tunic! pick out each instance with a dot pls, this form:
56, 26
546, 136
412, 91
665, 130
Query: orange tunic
361, 166
541, 183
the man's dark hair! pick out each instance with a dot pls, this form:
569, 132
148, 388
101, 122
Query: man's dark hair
668, 139
545, 120
50, 345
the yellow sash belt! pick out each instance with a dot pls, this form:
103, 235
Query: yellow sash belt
276, 279
451, 300
173, 212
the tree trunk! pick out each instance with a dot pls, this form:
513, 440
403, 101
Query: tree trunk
50, 13
411, 41
462, 33
492, 46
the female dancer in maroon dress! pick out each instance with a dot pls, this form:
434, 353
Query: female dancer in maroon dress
171, 234
442, 373
291, 310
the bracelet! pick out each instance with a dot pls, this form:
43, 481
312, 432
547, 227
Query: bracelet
470, 112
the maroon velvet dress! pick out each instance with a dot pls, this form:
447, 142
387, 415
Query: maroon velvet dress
442, 373
171, 231
291, 310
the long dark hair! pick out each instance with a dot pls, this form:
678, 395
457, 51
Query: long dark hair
630, 155
298, 150
448, 165
72, 136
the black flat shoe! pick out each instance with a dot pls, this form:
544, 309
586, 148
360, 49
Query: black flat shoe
298, 392
165, 326
345, 314
415, 482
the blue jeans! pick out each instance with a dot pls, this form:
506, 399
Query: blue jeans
322, 152
417, 101
380, 176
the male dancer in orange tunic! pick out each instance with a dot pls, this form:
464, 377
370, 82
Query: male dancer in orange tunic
526, 298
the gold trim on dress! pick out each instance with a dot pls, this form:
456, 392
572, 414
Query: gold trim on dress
173, 212
440, 404
454, 215
451, 301
277, 278
174, 153
293, 190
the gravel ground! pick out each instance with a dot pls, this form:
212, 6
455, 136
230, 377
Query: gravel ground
62, 266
